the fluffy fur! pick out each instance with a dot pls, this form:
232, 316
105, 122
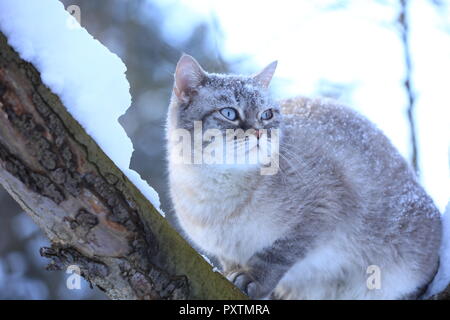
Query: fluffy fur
342, 200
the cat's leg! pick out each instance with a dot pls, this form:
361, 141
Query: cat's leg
261, 274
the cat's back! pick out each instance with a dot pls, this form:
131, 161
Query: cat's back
396, 209
336, 126
323, 128
335, 131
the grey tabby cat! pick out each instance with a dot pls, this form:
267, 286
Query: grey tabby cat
344, 205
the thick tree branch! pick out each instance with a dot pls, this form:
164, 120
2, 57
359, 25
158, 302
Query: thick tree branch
93, 215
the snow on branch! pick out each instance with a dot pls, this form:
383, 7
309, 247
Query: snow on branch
89, 79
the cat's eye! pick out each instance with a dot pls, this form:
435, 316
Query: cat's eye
229, 113
267, 115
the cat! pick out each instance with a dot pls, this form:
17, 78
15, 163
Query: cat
344, 217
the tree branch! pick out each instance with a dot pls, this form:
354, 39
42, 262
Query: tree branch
93, 215
404, 34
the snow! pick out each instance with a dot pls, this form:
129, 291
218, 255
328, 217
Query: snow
89, 79
214, 269
442, 278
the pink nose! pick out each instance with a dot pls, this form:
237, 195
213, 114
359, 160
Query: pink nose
258, 133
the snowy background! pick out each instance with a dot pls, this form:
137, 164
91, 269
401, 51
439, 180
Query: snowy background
349, 50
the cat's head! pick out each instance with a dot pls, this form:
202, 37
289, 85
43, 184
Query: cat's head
222, 102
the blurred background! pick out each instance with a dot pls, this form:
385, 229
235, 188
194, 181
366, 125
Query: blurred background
389, 59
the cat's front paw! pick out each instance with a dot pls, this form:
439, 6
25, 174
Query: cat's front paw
247, 284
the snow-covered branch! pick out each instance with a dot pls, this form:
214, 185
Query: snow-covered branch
95, 217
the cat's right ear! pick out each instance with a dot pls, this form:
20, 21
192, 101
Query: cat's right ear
265, 76
188, 77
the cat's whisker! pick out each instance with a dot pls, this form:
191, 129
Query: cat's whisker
292, 156
303, 163
294, 170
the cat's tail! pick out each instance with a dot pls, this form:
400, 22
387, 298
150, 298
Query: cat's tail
442, 278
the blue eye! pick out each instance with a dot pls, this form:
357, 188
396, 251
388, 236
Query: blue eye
229, 113
267, 115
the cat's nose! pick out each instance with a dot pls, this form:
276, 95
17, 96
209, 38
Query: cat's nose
258, 133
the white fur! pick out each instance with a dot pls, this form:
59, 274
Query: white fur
222, 194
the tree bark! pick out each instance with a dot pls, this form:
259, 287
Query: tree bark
93, 215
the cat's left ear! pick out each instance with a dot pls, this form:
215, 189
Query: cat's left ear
188, 77
265, 76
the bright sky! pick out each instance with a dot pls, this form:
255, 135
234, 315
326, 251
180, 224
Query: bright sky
357, 46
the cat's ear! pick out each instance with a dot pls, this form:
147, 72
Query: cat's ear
265, 76
188, 77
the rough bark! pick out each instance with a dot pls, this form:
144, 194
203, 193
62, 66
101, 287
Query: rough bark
93, 215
